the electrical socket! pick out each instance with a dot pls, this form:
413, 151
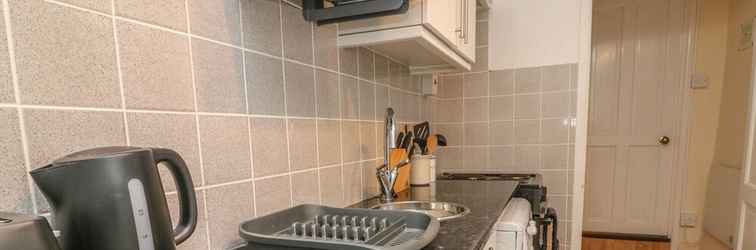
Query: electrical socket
688, 219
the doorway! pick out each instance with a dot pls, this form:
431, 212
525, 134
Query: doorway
636, 116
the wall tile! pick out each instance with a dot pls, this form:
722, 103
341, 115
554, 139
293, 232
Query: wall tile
395, 74
367, 101
502, 133
452, 132
450, 86
272, 194
269, 146
176, 132
381, 102
527, 106
196, 242
305, 188
350, 98
381, 69
350, 141
368, 140
370, 185
217, 20
227, 206
170, 13
555, 105
556, 181
501, 158
449, 158
327, 94
366, 65
156, 69
555, 157
481, 60
262, 25
331, 188
300, 90
476, 110
68, 50
303, 145
225, 148
554, 131
502, 82
101, 6
265, 88
556, 77
397, 101
475, 158
352, 183
348, 61
448, 111
527, 158
55, 133
218, 78
6, 81
329, 147
528, 80
476, 133
527, 131
475, 85
15, 191
481, 33
326, 51
297, 35
502, 108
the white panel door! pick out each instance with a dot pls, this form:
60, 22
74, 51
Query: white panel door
746, 236
635, 100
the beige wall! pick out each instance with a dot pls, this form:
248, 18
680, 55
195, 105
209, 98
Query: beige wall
711, 42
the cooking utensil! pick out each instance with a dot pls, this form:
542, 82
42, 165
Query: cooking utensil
441, 140
112, 198
432, 145
400, 140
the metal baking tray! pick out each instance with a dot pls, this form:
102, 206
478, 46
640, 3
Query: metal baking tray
322, 227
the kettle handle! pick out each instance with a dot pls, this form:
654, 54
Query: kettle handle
187, 198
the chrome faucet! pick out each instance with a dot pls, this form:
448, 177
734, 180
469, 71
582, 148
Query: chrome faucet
386, 173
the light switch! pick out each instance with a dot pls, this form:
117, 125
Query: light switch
699, 81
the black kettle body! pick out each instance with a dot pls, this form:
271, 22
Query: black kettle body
112, 199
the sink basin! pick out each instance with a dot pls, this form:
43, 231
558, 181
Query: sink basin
440, 210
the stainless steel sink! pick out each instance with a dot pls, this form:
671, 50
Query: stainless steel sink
440, 210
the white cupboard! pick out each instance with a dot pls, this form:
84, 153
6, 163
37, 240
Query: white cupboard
432, 36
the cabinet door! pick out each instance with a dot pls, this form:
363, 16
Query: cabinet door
442, 18
466, 41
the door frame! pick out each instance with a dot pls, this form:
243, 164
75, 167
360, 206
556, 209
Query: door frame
680, 172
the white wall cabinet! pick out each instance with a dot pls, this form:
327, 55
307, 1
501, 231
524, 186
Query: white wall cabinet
432, 36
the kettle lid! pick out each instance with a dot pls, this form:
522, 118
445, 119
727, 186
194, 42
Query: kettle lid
98, 153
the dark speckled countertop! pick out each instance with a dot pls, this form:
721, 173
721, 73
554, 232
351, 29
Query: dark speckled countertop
486, 200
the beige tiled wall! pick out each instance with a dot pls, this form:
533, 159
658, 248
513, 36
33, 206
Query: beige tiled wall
516, 120
263, 106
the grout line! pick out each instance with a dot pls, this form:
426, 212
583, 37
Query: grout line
208, 240
119, 71
286, 105
317, 110
246, 108
19, 111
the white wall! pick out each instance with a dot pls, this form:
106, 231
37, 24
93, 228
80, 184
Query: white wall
528, 33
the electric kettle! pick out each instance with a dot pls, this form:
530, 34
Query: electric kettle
112, 198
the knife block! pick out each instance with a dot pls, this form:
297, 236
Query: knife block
402, 180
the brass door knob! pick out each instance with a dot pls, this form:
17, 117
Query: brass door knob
664, 140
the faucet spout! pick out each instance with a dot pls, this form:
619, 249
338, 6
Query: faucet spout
387, 175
